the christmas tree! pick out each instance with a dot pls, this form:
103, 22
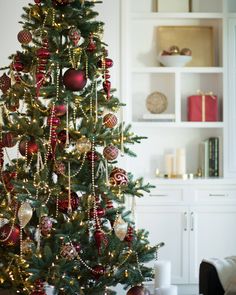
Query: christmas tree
63, 220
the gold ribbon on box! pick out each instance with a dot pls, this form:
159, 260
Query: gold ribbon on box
203, 95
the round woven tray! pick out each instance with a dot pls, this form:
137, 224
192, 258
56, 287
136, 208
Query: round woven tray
156, 102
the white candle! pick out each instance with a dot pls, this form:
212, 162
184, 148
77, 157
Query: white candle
170, 290
180, 161
169, 164
162, 273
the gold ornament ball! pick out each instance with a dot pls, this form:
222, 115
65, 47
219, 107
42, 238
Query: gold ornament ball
174, 50
156, 102
83, 145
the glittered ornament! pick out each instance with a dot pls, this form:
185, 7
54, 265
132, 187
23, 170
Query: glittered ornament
63, 202
68, 251
74, 35
98, 271
9, 235
5, 83
60, 110
9, 139
106, 63
27, 246
118, 177
120, 228
74, 80
92, 156
45, 225
110, 152
110, 120
59, 168
43, 53
24, 37
138, 290
28, 146
83, 145
25, 213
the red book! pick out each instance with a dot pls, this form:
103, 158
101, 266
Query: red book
202, 108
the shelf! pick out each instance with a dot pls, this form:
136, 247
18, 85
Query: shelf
187, 15
214, 70
204, 125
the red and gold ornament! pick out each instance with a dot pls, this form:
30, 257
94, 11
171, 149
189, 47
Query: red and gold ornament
63, 202
61, 136
118, 177
98, 271
9, 235
110, 120
74, 35
100, 239
45, 225
24, 37
8, 139
92, 156
60, 110
138, 290
28, 146
17, 64
99, 212
130, 235
68, 251
5, 83
74, 80
110, 152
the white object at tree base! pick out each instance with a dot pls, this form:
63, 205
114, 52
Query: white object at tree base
162, 270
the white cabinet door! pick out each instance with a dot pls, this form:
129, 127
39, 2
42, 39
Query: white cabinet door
168, 224
212, 234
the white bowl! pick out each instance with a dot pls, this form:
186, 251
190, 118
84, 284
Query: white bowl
174, 60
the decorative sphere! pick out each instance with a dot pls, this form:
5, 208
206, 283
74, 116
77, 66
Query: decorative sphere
5, 83
63, 202
8, 139
186, 51
45, 225
156, 102
92, 156
59, 168
138, 290
24, 37
118, 177
110, 152
43, 53
110, 120
29, 145
98, 271
11, 233
68, 251
74, 80
107, 63
60, 110
54, 121
83, 145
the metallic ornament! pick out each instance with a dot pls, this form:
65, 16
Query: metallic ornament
25, 213
120, 228
83, 145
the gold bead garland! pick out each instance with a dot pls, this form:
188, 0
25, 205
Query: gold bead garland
69, 210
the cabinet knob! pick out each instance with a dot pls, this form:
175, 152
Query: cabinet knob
158, 195
218, 195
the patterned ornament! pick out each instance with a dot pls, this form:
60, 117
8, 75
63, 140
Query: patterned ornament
68, 251
45, 225
118, 177
24, 37
130, 235
63, 203
74, 35
8, 139
110, 120
29, 146
59, 168
92, 156
138, 290
74, 80
120, 228
27, 245
25, 213
83, 145
37, 2
9, 235
110, 152
98, 271
5, 83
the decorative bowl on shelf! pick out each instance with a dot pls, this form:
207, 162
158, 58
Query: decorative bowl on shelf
174, 60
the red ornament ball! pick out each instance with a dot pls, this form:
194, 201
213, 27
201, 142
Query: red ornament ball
5, 83
37, 1
74, 80
45, 225
110, 120
53, 121
43, 53
118, 177
68, 251
60, 110
24, 37
8, 139
98, 271
62, 136
9, 235
110, 152
92, 156
63, 202
107, 63
28, 146
138, 290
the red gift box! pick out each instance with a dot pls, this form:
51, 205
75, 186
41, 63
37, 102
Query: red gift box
203, 108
